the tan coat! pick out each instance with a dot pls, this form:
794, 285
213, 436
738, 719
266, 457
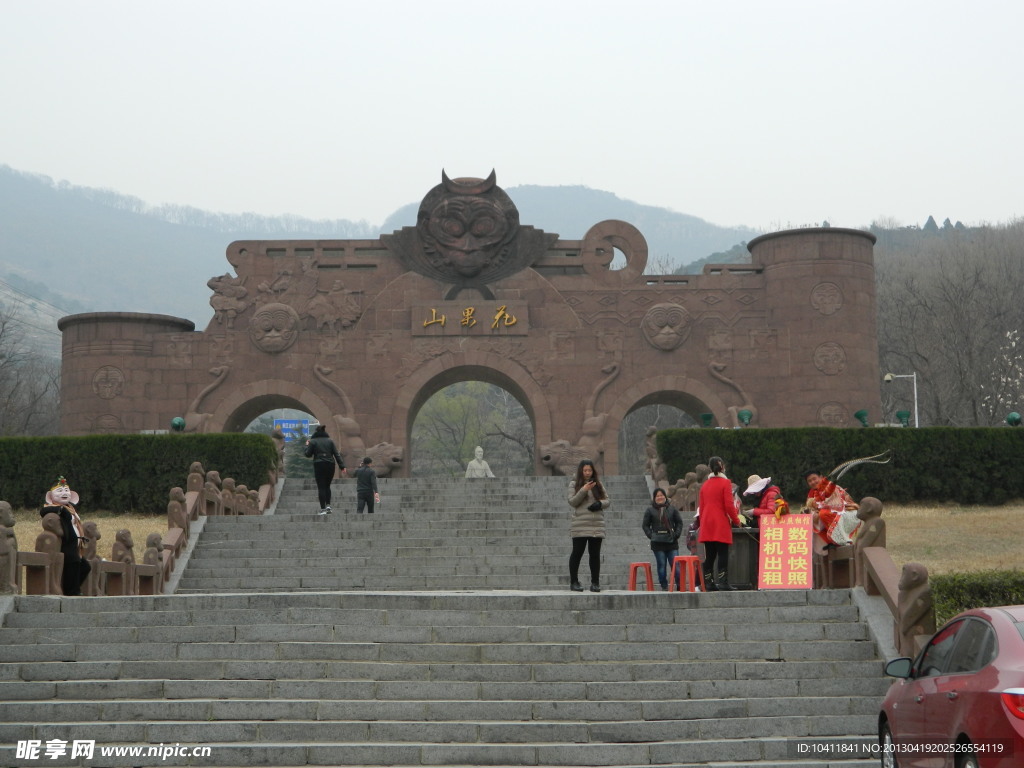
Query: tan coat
583, 522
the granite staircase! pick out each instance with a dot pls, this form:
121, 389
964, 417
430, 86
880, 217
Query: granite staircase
414, 662
494, 533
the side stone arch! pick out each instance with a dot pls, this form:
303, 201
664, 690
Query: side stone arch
683, 392
248, 401
453, 368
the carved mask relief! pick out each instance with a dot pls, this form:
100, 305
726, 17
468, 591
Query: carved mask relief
832, 415
466, 225
274, 328
108, 382
666, 326
830, 358
827, 298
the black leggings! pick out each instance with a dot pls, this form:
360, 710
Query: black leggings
715, 553
324, 473
580, 543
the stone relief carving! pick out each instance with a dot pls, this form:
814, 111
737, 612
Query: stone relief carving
179, 353
830, 358
108, 382
600, 244
666, 326
611, 341
274, 327
715, 369
832, 414
379, 345
520, 353
563, 456
350, 437
421, 353
467, 235
222, 349
334, 309
561, 346
386, 458
229, 298
195, 421
827, 298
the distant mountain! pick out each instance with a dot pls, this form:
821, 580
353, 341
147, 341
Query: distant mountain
84, 249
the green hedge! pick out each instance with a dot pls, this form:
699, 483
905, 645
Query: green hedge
123, 473
956, 592
932, 464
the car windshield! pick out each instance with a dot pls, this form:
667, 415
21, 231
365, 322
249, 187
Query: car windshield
1020, 628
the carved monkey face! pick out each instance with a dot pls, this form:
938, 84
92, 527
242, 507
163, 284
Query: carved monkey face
466, 231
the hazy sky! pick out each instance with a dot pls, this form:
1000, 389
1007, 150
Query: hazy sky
755, 112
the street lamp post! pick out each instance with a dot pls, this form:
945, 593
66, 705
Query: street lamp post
888, 380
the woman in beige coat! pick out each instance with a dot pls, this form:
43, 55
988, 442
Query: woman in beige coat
588, 500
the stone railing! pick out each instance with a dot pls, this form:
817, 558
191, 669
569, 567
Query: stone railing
867, 564
39, 572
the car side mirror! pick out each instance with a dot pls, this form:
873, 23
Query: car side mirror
899, 668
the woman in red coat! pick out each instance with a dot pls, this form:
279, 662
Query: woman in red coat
718, 515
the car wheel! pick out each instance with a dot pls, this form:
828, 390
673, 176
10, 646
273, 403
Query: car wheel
968, 761
888, 754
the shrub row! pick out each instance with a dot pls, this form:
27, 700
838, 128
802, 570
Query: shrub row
932, 464
126, 473
956, 592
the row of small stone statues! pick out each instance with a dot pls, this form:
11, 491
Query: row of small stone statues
40, 571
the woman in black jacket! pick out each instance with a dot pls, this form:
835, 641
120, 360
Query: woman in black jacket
663, 527
324, 454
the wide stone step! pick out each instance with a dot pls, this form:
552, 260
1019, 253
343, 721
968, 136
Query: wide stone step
636, 613
258, 749
582, 608
312, 721
194, 629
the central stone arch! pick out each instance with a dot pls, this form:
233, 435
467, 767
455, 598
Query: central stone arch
472, 366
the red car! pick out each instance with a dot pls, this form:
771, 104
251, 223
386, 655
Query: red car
960, 703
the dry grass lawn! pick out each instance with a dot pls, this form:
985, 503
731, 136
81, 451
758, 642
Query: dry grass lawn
956, 539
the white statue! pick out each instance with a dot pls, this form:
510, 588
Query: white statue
478, 467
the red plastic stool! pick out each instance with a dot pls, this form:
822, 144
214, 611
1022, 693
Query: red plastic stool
634, 569
691, 574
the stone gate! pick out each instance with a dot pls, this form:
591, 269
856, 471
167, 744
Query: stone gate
360, 333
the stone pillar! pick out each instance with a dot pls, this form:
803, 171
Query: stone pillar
820, 289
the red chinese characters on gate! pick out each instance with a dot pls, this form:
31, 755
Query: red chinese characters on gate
786, 548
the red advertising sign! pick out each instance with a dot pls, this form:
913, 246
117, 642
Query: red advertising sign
786, 548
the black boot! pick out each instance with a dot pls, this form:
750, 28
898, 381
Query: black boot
722, 582
594, 587
709, 582
575, 586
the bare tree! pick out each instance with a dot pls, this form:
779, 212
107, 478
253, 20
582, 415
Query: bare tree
945, 308
29, 383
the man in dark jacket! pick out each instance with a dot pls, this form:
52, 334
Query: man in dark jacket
366, 486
